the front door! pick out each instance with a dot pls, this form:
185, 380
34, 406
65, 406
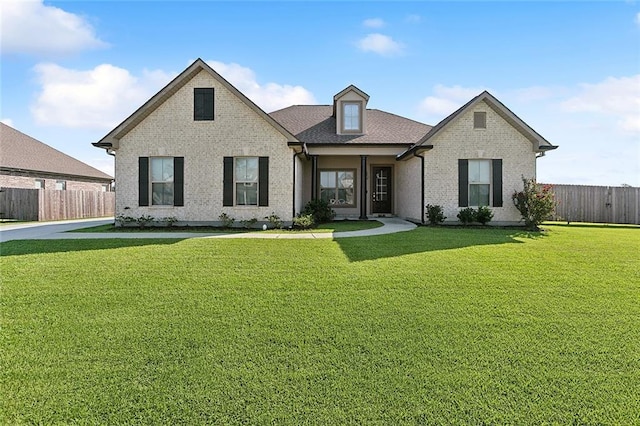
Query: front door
382, 196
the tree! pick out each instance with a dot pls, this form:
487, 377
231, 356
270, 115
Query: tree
535, 203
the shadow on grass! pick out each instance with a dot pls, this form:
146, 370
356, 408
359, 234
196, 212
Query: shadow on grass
591, 225
426, 239
22, 247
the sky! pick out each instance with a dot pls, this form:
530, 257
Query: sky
71, 71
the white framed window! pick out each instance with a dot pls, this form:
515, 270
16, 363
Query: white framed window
61, 185
479, 182
338, 187
351, 117
246, 181
39, 183
479, 120
162, 181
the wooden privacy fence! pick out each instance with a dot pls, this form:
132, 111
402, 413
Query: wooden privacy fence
45, 204
598, 204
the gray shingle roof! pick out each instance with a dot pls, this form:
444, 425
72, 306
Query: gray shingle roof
20, 151
315, 124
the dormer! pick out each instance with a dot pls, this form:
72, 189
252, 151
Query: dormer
348, 108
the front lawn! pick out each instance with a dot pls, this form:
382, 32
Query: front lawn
432, 326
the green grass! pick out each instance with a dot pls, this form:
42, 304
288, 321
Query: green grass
432, 326
337, 226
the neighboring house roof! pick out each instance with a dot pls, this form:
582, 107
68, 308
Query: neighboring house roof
540, 144
316, 124
22, 152
112, 138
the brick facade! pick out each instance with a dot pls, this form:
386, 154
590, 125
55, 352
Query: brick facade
165, 127
459, 140
29, 182
237, 130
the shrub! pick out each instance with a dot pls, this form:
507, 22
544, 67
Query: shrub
227, 221
484, 215
169, 220
303, 221
320, 210
274, 220
123, 220
467, 215
435, 214
144, 220
535, 203
248, 223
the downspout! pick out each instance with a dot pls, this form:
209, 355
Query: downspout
422, 184
293, 198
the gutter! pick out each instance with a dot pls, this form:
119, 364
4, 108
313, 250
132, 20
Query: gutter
542, 149
414, 150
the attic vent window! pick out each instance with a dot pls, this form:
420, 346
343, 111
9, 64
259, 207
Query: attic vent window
479, 120
351, 117
203, 103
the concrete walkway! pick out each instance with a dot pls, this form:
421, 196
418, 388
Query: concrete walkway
58, 231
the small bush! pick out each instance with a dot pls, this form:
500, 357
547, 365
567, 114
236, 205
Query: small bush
248, 223
467, 215
484, 215
303, 221
169, 220
274, 220
435, 214
320, 210
227, 221
144, 220
535, 203
123, 220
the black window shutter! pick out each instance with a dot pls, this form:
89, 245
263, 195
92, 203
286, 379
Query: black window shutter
497, 182
463, 183
203, 103
143, 181
227, 182
263, 181
178, 181
208, 103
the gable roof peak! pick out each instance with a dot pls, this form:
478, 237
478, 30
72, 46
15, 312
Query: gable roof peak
351, 88
111, 140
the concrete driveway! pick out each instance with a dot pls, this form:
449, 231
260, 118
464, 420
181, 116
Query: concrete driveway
35, 230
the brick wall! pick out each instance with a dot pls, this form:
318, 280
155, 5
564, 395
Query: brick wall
28, 182
459, 140
237, 130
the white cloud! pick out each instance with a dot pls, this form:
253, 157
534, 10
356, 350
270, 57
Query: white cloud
7, 121
373, 23
99, 98
102, 97
447, 99
638, 18
618, 97
380, 44
29, 26
270, 96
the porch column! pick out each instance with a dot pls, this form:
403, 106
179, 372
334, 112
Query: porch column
314, 177
363, 187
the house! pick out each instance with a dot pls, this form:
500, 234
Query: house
26, 162
200, 148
